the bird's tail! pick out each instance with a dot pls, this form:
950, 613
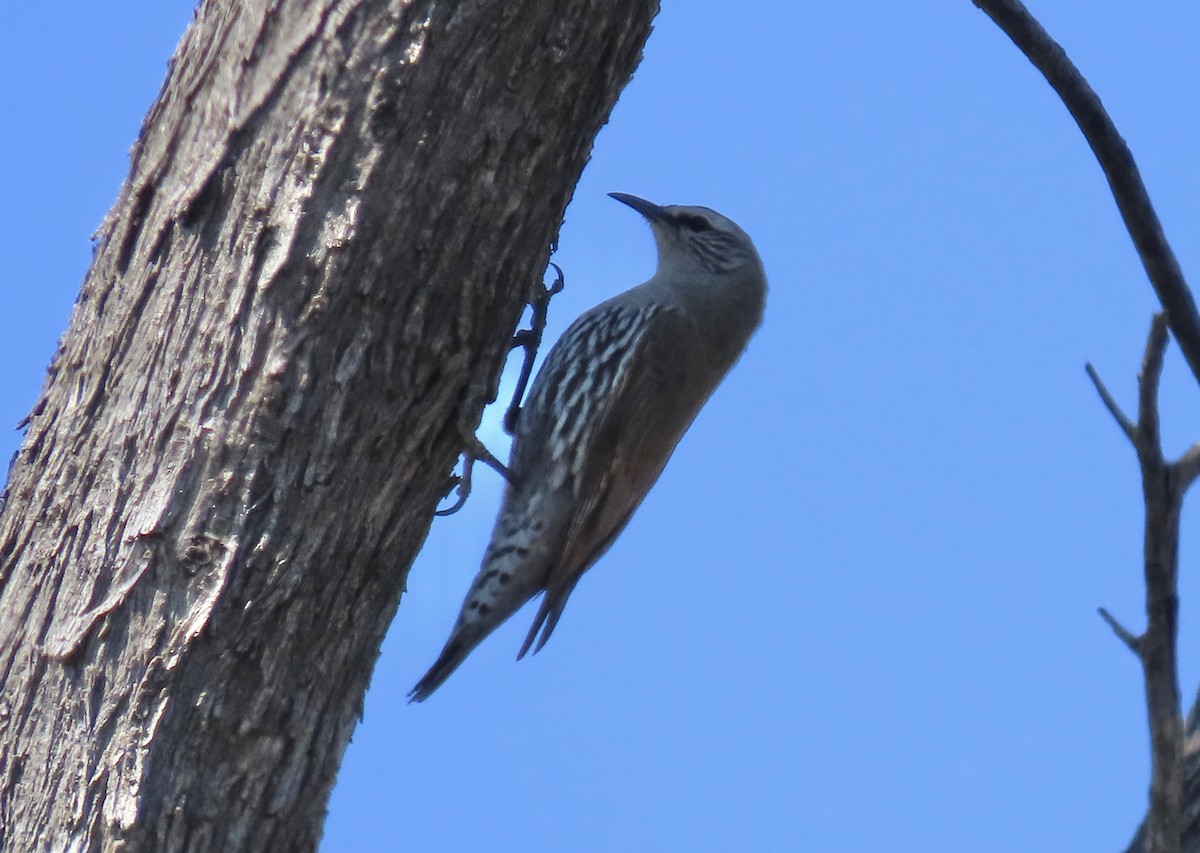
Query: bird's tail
469, 631
504, 583
514, 570
547, 617
452, 655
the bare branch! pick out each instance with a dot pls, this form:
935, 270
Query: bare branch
1187, 467
1126, 636
1117, 162
1160, 665
1148, 380
1127, 426
1162, 484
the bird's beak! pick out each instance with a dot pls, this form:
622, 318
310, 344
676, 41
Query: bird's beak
648, 209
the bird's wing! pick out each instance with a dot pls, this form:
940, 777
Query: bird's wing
615, 455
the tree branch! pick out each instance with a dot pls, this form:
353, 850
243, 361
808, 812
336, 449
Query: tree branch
1119, 167
1163, 486
1148, 434
1187, 467
1130, 639
1127, 426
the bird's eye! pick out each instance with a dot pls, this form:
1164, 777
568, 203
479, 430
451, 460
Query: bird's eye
695, 223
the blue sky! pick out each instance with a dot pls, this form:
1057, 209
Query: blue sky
858, 611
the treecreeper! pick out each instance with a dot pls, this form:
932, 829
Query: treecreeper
613, 398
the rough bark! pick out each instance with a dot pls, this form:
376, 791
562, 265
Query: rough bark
332, 218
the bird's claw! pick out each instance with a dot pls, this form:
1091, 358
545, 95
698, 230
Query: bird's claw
473, 452
530, 339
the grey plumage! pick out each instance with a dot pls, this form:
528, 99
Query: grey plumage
607, 408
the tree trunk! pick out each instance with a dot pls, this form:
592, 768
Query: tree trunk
333, 216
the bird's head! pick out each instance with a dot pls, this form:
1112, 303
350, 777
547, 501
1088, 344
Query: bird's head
692, 238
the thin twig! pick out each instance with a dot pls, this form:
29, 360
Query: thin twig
1124, 634
1119, 167
1127, 426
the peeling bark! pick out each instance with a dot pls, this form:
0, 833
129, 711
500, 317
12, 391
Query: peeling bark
332, 219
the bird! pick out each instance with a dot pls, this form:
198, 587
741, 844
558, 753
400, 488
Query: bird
614, 396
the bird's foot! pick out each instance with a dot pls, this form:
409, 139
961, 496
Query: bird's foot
530, 339
473, 452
